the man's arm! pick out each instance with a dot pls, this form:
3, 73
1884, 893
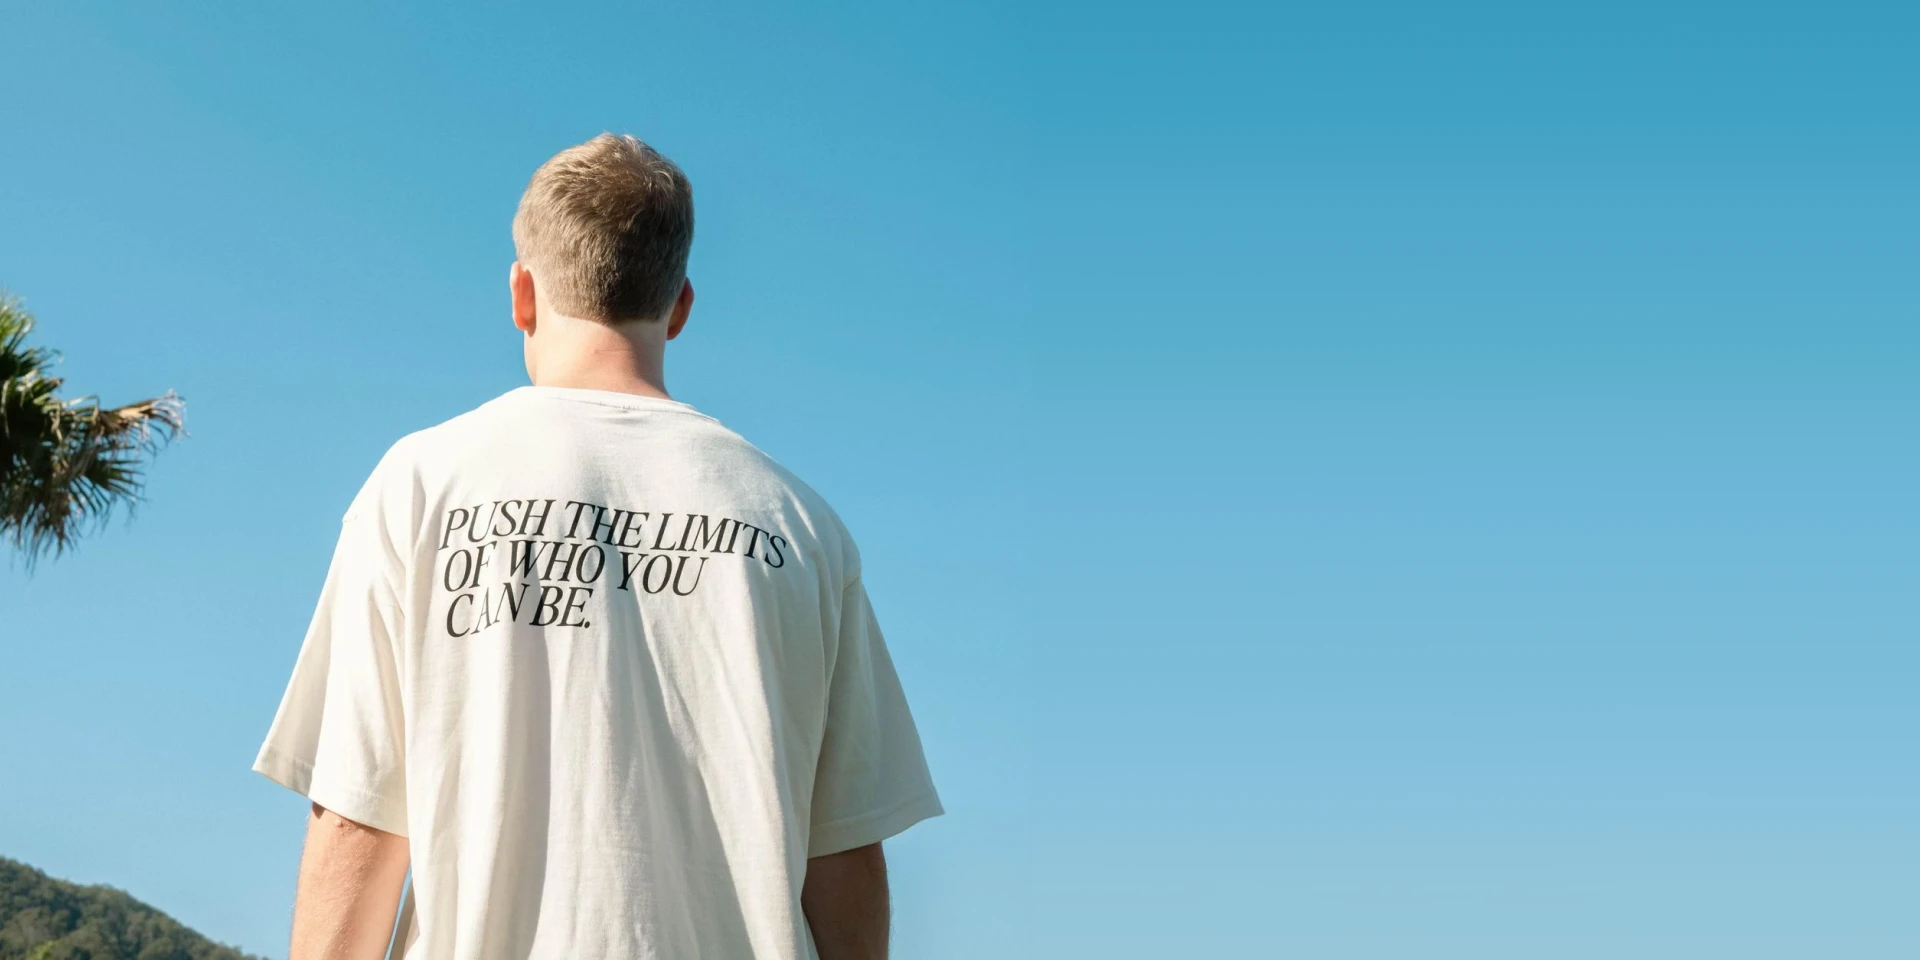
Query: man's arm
350, 880
845, 900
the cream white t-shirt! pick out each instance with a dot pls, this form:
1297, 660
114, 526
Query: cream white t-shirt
613, 673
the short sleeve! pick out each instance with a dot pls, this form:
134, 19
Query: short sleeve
872, 780
338, 738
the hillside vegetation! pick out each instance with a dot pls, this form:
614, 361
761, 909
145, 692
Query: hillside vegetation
42, 918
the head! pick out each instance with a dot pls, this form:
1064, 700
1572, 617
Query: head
602, 237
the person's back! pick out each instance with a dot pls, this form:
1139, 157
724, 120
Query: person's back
609, 670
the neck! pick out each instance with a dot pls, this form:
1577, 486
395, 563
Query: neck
629, 358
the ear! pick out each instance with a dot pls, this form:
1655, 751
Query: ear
520, 288
682, 306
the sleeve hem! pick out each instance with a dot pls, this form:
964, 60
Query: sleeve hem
361, 806
861, 830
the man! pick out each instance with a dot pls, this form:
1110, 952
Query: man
603, 675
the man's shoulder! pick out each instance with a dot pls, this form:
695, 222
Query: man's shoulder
760, 471
406, 462
481, 420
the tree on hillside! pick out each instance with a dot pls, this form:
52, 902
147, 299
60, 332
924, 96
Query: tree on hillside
66, 463
42, 918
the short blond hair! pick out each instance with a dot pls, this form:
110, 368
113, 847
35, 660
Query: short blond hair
606, 227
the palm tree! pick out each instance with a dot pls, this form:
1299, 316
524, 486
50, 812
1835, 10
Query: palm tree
65, 464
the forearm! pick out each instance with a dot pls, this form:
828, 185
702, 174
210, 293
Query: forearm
350, 881
845, 900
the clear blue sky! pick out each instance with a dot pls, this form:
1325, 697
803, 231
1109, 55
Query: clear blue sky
1344, 483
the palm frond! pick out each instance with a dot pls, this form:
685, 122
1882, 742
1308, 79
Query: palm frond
66, 464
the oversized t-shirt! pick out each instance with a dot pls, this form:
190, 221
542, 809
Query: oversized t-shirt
613, 673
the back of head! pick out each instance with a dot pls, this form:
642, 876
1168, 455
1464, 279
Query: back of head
605, 228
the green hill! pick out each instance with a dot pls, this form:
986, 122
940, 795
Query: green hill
46, 919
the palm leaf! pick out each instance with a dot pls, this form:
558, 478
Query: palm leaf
66, 464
